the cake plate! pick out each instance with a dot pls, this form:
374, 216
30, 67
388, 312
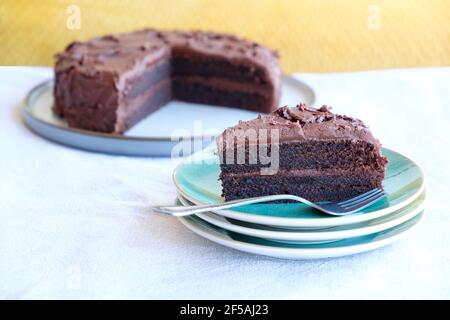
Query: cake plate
299, 251
160, 134
318, 235
197, 180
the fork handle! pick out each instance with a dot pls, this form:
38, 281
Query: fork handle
179, 211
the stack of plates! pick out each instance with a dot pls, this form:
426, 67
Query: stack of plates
294, 230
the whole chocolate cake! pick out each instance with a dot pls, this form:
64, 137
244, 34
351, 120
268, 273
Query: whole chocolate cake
303, 151
109, 83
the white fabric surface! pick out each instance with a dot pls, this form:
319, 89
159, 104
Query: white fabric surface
75, 224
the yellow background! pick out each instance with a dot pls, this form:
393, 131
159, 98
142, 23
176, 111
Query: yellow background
311, 35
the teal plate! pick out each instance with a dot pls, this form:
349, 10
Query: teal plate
315, 236
298, 251
197, 180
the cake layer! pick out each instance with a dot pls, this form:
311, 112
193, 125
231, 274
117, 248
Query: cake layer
342, 154
225, 84
207, 94
317, 188
185, 65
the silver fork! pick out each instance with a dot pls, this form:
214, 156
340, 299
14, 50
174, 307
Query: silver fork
341, 208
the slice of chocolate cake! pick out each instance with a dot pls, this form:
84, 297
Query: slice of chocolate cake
303, 151
109, 83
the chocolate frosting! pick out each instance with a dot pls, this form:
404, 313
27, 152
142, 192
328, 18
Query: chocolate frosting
303, 123
124, 53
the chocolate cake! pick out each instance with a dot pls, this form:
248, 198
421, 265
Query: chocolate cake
318, 155
109, 83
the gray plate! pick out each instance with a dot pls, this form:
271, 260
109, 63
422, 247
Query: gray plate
157, 135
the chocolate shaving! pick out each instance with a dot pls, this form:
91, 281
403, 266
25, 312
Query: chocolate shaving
304, 115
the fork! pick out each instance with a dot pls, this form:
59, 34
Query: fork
341, 208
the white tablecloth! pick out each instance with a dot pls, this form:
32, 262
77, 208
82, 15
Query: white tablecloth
75, 224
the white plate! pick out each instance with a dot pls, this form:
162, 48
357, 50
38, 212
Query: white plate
157, 134
320, 236
298, 251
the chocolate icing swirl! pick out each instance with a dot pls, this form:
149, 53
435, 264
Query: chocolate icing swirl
304, 115
302, 123
120, 50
